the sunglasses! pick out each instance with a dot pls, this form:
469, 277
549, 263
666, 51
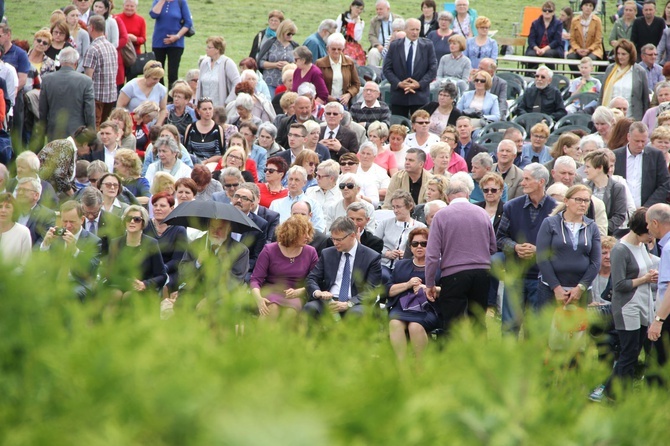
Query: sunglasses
41, 42
480, 81
491, 190
228, 186
348, 163
134, 219
417, 244
347, 185
270, 170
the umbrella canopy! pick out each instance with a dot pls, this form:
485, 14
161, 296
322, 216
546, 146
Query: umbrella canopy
197, 214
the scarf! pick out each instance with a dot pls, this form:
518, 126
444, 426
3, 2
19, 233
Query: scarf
269, 34
614, 77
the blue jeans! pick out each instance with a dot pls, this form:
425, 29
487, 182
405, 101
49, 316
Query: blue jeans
515, 305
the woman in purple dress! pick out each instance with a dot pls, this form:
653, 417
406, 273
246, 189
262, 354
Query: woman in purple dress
282, 267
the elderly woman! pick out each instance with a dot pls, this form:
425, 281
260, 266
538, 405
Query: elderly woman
566, 144
276, 52
545, 38
168, 160
172, 24
135, 24
263, 108
218, 73
367, 154
662, 90
204, 138
179, 113
480, 103
568, 250
586, 33
378, 134
440, 36
481, 45
455, 66
267, 135
60, 36
443, 112
143, 115
536, 150
396, 145
339, 72
278, 278
275, 17
627, 79
15, 242
407, 312
308, 160
110, 186
350, 188
42, 63
308, 72
394, 231
28, 166
612, 193
146, 88
129, 167
135, 262
603, 121
435, 190
464, 21
79, 37
421, 138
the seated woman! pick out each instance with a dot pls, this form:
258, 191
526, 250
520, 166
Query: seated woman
146, 88
481, 45
480, 104
455, 66
128, 166
378, 134
135, 264
110, 186
409, 311
421, 138
546, 34
171, 238
168, 161
443, 112
272, 189
586, 34
308, 72
278, 278
367, 155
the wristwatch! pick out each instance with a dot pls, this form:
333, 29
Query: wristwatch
658, 319
581, 286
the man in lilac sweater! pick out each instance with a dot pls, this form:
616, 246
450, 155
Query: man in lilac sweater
460, 243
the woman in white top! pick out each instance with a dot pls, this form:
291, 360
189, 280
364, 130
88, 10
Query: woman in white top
368, 168
168, 161
15, 243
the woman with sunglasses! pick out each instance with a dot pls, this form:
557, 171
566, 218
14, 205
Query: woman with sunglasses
480, 104
111, 186
546, 34
276, 53
135, 264
146, 88
481, 45
272, 189
407, 316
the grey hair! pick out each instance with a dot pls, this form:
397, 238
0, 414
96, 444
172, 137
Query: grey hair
232, 172
91, 196
244, 100
483, 159
248, 74
368, 145
508, 142
398, 25
567, 161
336, 38
357, 206
31, 159
328, 24
269, 128
34, 182
329, 167
596, 139
538, 172
68, 56
461, 178
350, 178
168, 142
659, 212
307, 89
604, 114
137, 208
299, 170
343, 224
251, 187
335, 104
445, 14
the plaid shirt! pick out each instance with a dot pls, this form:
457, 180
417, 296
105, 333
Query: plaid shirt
103, 58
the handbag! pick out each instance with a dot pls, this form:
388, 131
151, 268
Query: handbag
128, 54
137, 68
568, 329
191, 30
414, 301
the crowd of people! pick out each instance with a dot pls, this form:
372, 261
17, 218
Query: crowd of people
343, 208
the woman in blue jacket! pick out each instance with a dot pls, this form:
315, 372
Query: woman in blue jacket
173, 21
545, 34
479, 103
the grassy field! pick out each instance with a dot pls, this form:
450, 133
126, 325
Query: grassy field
239, 21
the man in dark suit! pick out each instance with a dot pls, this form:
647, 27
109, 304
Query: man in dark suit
76, 242
103, 224
410, 66
337, 138
37, 218
644, 168
348, 286
244, 199
466, 147
66, 99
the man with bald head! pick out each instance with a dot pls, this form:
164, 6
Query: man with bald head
498, 85
371, 109
410, 66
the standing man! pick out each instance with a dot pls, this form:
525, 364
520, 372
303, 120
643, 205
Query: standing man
517, 235
101, 64
465, 146
643, 167
414, 179
337, 138
66, 100
658, 223
511, 174
317, 42
371, 109
410, 66
463, 256
380, 31
648, 28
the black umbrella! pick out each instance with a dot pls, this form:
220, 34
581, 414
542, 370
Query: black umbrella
197, 214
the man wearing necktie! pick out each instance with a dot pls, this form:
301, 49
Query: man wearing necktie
410, 66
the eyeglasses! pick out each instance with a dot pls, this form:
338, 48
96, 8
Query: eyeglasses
111, 185
134, 219
242, 197
332, 113
42, 42
581, 200
422, 122
548, 10
270, 170
490, 190
540, 76
338, 240
228, 186
417, 244
480, 81
347, 185
348, 163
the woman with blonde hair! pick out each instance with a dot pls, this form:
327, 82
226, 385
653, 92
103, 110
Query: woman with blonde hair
218, 73
146, 88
